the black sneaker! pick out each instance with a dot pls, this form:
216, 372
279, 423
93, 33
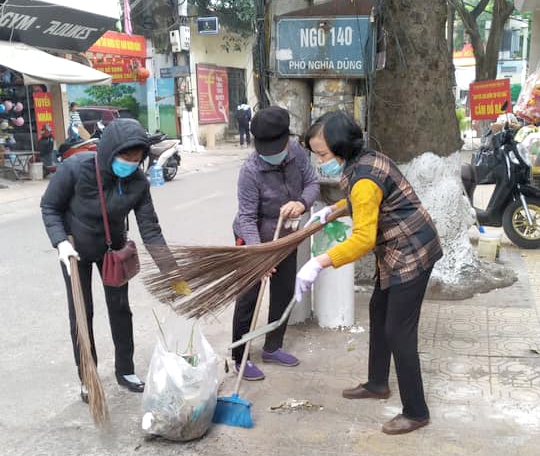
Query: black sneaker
131, 382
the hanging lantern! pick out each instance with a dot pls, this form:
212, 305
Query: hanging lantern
142, 73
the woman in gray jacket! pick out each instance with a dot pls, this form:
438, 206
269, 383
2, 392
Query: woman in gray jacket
277, 178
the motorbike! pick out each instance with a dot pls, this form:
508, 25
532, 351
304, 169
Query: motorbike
75, 144
165, 153
515, 203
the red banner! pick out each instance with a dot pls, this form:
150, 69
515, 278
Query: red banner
487, 98
43, 112
212, 94
116, 43
121, 70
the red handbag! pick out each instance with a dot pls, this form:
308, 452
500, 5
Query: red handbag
118, 265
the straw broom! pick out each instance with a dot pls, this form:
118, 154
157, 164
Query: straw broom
90, 378
214, 276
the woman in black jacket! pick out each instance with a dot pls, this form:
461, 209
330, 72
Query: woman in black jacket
71, 206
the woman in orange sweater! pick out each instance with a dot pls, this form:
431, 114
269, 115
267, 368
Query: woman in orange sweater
389, 219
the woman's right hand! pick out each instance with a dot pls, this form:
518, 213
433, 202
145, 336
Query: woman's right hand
321, 215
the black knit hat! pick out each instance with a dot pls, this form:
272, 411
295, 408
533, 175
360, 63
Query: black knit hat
270, 128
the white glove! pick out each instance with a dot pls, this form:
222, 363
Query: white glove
66, 250
292, 223
321, 215
305, 277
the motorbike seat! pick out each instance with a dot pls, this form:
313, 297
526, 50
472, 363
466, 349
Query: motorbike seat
158, 149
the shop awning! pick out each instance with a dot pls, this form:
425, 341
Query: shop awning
68, 25
39, 67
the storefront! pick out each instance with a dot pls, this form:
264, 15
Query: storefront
30, 78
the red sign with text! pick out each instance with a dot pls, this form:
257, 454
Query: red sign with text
487, 98
116, 43
121, 70
212, 94
43, 112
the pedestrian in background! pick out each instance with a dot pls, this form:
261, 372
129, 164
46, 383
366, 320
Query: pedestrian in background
243, 116
389, 219
277, 178
74, 116
71, 206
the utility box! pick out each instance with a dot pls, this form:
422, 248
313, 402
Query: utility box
174, 37
185, 37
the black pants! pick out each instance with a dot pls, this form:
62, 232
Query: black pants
281, 292
243, 128
119, 318
393, 318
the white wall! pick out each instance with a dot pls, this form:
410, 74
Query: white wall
208, 49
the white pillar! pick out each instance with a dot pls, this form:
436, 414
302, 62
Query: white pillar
333, 293
534, 55
302, 310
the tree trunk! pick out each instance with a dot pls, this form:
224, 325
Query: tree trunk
412, 104
292, 94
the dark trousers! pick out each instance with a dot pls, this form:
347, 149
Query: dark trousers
393, 318
120, 319
281, 292
243, 128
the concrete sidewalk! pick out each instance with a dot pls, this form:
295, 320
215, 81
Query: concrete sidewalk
481, 371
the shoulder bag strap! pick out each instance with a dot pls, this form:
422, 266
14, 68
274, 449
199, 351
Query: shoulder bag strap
103, 206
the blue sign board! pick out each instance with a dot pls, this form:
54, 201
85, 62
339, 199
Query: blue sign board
323, 47
174, 71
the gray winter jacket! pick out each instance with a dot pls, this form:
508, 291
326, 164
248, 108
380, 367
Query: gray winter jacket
264, 188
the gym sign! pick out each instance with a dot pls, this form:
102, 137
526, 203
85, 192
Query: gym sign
52, 26
323, 47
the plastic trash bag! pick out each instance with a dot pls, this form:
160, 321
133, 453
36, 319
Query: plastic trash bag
528, 103
332, 233
182, 382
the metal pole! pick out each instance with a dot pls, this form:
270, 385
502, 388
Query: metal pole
29, 118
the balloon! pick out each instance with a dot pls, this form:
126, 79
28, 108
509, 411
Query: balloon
4, 125
2, 108
18, 121
8, 105
18, 106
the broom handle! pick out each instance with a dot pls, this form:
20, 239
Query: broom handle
255, 315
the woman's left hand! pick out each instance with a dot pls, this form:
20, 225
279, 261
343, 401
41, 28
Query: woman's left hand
292, 209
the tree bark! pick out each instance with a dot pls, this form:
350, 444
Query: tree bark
412, 104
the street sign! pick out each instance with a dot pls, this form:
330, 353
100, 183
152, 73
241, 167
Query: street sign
323, 47
174, 71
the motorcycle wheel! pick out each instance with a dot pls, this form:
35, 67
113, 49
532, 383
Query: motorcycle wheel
170, 169
516, 227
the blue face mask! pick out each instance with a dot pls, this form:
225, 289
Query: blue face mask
275, 159
123, 168
331, 168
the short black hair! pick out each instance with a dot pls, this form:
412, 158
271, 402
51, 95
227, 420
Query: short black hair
72, 105
342, 134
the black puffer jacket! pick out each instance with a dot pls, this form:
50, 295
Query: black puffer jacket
71, 205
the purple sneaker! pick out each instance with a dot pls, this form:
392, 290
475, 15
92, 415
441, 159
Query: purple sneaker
251, 372
280, 357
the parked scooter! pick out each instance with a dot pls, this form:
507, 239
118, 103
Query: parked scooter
75, 144
515, 203
165, 153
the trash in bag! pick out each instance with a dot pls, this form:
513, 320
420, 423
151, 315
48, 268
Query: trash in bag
181, 386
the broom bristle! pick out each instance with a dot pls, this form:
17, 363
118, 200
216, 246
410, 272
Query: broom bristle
233, 411
90, 378
216, 275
